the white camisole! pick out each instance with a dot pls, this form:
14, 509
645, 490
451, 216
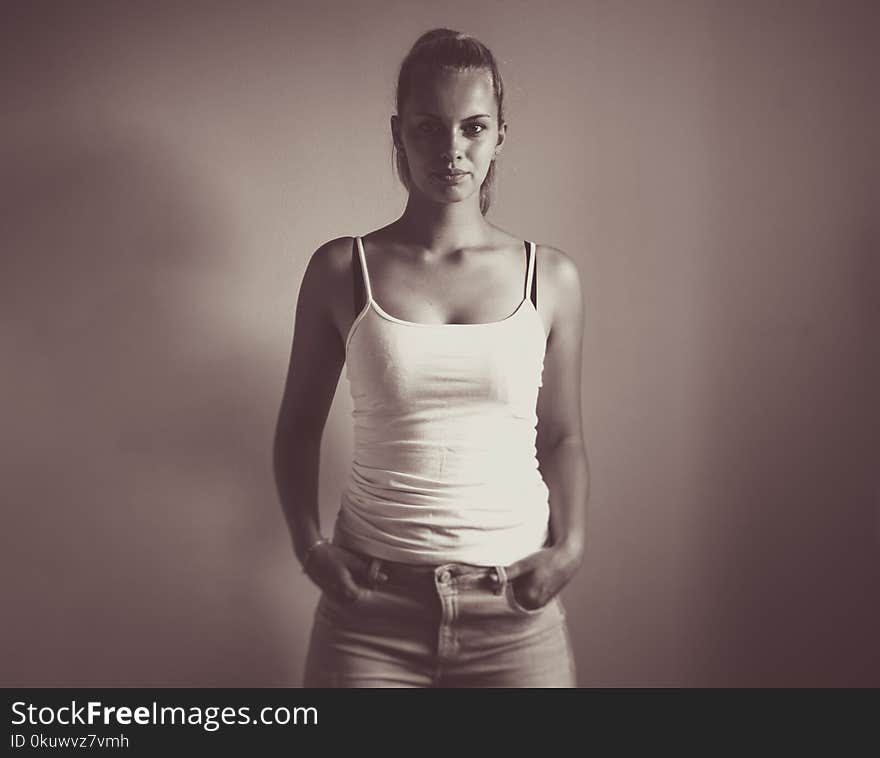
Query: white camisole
444, 467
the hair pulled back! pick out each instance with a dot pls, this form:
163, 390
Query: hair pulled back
444, 49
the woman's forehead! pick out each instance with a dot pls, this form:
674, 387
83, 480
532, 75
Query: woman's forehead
452, 92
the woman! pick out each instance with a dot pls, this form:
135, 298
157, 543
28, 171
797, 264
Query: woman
463, 516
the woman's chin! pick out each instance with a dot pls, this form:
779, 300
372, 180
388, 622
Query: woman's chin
449, 192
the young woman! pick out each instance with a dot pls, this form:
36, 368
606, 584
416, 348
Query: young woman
463, 516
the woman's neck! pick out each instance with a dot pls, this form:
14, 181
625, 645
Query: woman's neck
443, 227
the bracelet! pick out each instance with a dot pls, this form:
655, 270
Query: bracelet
311, 549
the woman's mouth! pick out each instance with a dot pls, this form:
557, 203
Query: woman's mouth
445, 177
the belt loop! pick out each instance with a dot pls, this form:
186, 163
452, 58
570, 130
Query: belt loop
500, 579
373, 576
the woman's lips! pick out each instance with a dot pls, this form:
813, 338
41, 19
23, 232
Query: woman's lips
446, 178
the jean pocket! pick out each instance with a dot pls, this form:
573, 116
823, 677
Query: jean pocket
515, 604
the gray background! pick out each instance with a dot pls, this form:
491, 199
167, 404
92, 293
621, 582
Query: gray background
168, 168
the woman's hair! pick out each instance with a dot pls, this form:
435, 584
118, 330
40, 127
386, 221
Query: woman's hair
447, 49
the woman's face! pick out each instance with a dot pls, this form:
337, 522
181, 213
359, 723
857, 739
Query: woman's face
449, 124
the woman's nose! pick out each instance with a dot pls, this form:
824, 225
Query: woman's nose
453, 149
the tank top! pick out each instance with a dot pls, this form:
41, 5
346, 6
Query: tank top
444, 466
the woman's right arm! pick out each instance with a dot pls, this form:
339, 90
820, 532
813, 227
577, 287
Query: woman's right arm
316, 359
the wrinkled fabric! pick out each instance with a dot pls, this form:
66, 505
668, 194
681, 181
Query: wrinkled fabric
465, 629
444, 466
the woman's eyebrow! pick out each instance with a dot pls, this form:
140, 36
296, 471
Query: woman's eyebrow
469, 118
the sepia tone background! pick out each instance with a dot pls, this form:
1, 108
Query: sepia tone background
167, 170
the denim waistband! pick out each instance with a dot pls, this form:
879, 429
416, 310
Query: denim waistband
422, 577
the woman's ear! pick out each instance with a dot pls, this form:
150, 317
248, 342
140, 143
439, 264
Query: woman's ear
502, 135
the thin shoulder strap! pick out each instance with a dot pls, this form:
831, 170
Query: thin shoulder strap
360, 275
531, 273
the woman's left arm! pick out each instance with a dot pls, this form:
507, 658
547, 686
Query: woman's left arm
560, 444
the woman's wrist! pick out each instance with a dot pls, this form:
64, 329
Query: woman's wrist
309, 551
304, 538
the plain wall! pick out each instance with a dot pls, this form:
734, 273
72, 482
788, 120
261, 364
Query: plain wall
167, 170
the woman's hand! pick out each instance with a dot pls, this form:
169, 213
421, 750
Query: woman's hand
538, 578
340, 573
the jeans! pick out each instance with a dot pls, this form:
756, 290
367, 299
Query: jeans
452, 625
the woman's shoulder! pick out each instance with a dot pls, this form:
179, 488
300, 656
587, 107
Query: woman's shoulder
553, 266
556, 264
550, 257
333, 258
328, 280
328, 272
557, 273
559, 283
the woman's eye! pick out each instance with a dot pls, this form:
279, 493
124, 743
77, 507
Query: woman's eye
472, 129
